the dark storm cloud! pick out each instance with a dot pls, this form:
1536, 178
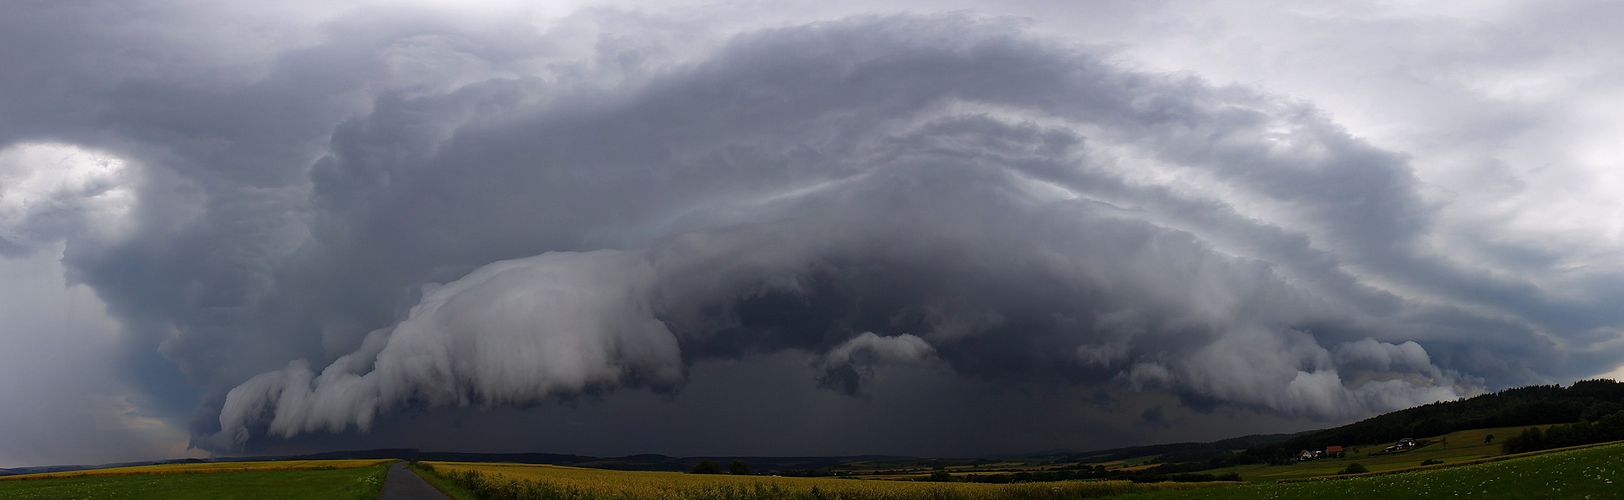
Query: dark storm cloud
409, 214
807, 186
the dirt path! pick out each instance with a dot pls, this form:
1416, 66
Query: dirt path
402, 484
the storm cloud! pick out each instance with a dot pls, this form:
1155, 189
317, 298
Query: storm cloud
808, 186
398, 212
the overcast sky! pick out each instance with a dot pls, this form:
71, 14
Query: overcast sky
792, 228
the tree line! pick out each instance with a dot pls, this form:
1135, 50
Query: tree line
1608, 428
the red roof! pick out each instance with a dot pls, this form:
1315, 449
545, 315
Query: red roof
1333, 449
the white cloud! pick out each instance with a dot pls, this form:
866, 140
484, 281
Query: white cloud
50, 191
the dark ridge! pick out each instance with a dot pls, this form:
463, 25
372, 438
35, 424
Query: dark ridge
1222, 445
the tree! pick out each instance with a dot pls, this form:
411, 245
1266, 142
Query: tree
708, 467
739, 468
1488, 439
1354, 468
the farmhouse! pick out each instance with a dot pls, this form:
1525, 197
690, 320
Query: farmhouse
1333, 451
1305, 455
1401, 445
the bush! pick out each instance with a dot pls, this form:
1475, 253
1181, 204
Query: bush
708, 467
1431, 461
739, 468
1354, 468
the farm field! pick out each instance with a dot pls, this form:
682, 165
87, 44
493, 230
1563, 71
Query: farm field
918, 468
260, 481
571, 482
1450, 448
203, 468
1594, 472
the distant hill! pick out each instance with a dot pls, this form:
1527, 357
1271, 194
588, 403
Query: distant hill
645, 462
1523, 406
1180, 452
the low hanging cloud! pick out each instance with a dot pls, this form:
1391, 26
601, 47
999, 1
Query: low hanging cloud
609, 209
848, 364
513, 332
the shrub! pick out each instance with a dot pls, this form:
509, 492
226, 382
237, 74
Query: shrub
708, 467
1431, 461
739, 468
1354, 468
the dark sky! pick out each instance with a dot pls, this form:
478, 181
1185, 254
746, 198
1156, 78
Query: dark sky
779, 228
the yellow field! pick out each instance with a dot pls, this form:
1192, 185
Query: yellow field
203, 468
597, 483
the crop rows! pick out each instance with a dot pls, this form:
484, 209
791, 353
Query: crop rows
541, 482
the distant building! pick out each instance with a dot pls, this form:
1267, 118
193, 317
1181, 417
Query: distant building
1305, 455
1401, 445
1333, 451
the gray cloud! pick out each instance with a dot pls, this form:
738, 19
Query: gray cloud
849, 364
614, 211
512, 332
979, 232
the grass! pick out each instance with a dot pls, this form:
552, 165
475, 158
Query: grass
1461, 446
263, 483
446, 486
501, 481
203, 468
1594, 472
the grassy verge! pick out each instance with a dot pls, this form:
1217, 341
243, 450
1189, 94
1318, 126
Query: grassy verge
451, 489
543, 482
355, 483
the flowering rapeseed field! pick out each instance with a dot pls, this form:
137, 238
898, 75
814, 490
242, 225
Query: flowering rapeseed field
515, 481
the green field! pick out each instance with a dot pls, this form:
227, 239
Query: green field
1450, 449
355, 483
1594, 472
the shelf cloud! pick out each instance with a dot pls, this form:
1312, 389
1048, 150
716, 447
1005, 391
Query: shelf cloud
393, 212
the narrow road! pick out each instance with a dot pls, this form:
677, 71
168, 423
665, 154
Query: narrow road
402, 484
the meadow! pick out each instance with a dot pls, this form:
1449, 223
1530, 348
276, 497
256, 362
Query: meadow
1593, 472
1452, 448
315, 480
482, 481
